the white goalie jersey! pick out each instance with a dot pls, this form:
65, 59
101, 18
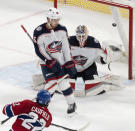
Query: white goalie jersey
93, 52
88, 54
85, 57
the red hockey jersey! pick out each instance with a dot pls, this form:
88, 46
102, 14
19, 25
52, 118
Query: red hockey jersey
30, 116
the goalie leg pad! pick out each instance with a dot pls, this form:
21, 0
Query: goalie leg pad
38, 79
40, 87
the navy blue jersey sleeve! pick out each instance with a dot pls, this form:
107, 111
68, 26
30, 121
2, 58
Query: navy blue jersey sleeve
73, 41
95, 42
36, 46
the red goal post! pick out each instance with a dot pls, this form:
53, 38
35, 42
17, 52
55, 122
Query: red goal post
130, 31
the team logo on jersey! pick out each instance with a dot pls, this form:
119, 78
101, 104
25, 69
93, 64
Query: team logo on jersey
54, 47
39, 28
80, 60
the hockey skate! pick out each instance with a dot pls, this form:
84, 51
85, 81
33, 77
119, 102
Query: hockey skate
71, 109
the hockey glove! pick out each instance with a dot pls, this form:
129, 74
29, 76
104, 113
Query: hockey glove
53, 65
70, 69
106, 56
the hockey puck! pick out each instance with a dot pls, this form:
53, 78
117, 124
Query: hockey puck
114, 24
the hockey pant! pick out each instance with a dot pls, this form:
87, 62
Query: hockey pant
63, 86
88, 74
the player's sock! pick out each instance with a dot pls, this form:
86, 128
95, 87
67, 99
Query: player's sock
69, 96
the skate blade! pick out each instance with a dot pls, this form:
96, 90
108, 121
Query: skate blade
71, 114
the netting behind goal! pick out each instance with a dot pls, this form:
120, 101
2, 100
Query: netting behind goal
117, 20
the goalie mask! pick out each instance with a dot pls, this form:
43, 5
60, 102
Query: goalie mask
81, 33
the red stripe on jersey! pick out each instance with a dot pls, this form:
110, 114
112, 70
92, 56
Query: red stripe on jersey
4, 109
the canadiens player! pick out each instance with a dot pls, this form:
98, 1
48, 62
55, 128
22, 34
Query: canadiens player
52, 47
31, 116
86, 51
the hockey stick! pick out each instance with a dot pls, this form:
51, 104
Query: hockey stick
68, 129
24, 29
27, 33
57, 82
4, 121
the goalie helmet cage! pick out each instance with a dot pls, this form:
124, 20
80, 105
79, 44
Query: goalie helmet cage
129, 46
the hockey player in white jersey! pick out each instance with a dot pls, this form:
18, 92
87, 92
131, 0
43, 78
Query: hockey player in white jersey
52, 47
86, 51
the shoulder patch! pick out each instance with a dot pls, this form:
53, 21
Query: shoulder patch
39, 28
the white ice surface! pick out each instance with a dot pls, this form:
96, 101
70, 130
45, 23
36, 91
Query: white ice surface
113, 111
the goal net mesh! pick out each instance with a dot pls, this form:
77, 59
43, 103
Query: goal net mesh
109, 23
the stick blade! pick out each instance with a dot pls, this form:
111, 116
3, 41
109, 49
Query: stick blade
76, 122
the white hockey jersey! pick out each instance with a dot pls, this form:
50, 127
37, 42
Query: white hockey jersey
88, 54
52, 44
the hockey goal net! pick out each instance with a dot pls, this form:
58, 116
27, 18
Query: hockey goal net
106, 20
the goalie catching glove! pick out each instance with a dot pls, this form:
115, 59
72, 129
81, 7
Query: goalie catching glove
53, 65
107, 58
70, 69
111, 53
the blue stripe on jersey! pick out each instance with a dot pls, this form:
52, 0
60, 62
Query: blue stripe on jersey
67, 91
8, 111
37, 124
25, 116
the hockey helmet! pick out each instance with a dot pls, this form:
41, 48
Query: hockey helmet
53, 13
81, 33
43, 97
